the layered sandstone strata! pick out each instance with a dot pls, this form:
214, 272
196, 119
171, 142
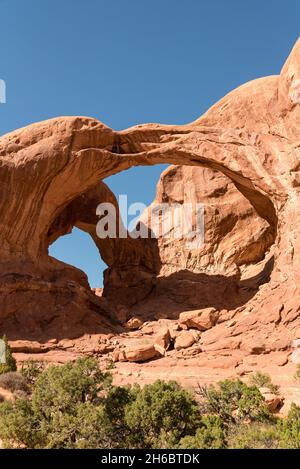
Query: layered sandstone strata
249, 269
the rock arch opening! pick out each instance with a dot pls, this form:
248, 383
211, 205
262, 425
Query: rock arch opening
225, 272
87, 153
145, 270
51, 169
78, 249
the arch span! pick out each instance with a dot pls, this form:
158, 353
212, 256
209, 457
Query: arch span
252, 136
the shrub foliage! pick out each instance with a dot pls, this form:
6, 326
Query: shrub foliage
76, 406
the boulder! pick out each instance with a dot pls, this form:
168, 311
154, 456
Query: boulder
162, 340
133, 324
196, 334
184, 340
201, 319
273, 401
174, 330
141, 350
118, 355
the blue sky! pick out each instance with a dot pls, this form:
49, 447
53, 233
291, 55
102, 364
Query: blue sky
133, 61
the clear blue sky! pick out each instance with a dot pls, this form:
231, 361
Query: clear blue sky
132, 61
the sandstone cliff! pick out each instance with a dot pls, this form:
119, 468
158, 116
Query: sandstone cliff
241, 159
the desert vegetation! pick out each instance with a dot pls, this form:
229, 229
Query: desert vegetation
76, 406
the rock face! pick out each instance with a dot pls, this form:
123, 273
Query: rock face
241, 159
234, 234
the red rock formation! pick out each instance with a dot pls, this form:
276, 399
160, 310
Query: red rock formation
234, 235
50, 170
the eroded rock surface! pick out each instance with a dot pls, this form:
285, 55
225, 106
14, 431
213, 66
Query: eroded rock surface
241, 159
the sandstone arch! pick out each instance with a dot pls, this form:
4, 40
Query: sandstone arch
252, 136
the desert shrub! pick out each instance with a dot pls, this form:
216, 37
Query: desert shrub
115, 404
18, 425
234, 402
284, 434
261, 380
31, 370
10, 363
85, 427
254, 436
76, 406
289, 429
63, 387
110, 365
210, 435
14, 381
160, 414
64, 411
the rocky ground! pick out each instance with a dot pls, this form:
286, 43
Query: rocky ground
192, 350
